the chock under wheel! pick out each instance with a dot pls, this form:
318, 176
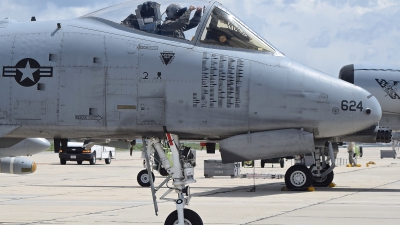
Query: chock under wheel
311, 188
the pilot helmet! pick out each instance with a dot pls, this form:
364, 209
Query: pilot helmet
174, 11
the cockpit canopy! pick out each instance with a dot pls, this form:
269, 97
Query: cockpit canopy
218, 27
223, 29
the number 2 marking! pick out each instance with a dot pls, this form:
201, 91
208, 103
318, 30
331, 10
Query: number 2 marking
146, 75
352, 105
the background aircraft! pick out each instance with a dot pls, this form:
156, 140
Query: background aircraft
383, 82
12, 148
95, 78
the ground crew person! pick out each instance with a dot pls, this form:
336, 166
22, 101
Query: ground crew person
350, 150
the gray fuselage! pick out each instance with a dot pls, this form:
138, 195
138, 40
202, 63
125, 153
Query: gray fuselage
98, 80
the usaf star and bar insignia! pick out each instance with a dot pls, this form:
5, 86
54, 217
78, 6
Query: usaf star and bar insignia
27, 72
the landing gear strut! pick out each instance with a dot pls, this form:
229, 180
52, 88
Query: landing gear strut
181, 174
322, 172
143, 178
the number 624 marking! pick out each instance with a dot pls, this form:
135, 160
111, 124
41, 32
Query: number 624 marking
351, 106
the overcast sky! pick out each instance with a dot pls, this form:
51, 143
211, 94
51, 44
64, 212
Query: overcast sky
322, 34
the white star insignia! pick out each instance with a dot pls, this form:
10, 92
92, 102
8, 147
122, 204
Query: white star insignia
27, 72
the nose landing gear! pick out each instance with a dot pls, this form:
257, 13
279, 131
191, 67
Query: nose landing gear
181, 173
320, 174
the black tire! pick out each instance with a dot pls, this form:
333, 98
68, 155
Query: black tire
63, 161
79, 162
298, 177
143, 178
282, 162
243, 164
93, 159
361, 152
262, 163
163, 172
108, 160
191, 217
324, 181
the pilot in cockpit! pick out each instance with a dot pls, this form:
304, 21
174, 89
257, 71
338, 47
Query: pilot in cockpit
177, 20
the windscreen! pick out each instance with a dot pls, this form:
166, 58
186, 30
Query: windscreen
116, 13
224, 29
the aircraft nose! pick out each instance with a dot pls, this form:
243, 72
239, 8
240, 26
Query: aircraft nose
375, 110
372, 111
36, 145
372, 108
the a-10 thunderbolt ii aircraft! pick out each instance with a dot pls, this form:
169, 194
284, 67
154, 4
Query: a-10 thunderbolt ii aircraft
383, 82
94, 77
12, 148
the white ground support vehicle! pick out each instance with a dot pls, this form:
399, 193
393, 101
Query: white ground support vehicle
77, 152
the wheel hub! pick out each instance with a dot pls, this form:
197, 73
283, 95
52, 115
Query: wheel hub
318, 179
144, 178
298, 178
187, 222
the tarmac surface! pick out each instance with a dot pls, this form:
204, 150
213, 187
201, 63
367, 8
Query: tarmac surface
110, 194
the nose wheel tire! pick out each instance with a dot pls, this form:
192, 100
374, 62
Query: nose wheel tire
298, 177
322, 181
143, 178
191, 218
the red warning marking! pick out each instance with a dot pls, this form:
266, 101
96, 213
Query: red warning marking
170, 141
